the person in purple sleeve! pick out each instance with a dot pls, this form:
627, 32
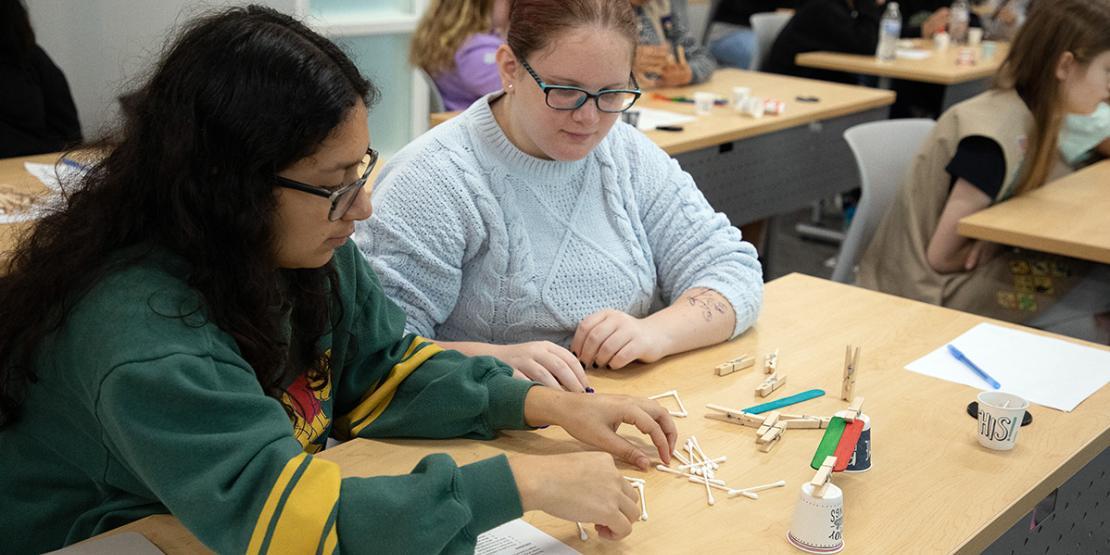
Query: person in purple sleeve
455, 43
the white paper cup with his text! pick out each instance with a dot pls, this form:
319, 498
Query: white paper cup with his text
974, 36
703, 103
1000, 417
818, 525
739, 95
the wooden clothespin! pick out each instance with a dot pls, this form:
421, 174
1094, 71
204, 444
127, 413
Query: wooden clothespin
768, 423
853, 411
851, 363
773, 382
681, 408
823, 477
734, 416
771, 362
735, 365
770, 433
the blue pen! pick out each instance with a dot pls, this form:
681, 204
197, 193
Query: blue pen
967, 362
74, 164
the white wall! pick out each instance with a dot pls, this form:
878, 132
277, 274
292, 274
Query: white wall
102, 45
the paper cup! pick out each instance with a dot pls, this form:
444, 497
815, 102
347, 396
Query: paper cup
754, 106
703, 103
988, 48
861, 457
1000, 417
818, 525
941, 41
974, 36
739, 95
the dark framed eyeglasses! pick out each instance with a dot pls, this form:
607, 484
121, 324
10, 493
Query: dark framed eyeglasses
566, 97
342, 198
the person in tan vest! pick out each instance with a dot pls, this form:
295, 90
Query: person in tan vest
994, 146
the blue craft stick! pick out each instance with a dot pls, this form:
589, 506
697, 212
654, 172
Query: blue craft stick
785, 401
967, 362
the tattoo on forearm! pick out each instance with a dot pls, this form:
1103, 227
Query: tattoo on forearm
707, 301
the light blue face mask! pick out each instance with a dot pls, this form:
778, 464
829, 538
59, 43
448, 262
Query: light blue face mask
1080, 134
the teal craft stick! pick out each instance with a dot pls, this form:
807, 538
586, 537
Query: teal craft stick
785, 401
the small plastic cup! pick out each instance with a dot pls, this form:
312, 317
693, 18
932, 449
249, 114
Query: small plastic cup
739, 95
974, 36
703, 103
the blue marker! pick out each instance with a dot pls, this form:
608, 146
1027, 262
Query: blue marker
956, 354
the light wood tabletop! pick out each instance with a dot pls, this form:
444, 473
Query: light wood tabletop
1068, 217
724, 125
14, 177
940, 67
932, 488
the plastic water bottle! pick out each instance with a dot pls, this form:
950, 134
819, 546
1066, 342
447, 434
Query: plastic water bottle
890, 30
958, 20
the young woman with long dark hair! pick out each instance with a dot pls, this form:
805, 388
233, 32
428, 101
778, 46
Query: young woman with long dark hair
192, 325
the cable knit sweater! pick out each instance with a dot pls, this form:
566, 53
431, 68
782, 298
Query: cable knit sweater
478, 241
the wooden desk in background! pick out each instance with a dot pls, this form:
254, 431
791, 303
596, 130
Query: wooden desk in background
932, 487
961, 81
751, 169
1069, 217
14, 176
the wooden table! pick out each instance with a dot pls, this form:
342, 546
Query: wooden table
1069, 216
14, 176
932, 487
961, 81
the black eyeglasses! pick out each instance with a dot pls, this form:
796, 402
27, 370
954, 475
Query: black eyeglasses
565, 97
342, 198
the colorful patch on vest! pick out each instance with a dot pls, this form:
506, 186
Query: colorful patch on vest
1007, 299
1023, 284
1027, 302
1019, 267
1043, 285
310, 403
1040, 268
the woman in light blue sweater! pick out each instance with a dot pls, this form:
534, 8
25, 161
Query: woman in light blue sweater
534, 222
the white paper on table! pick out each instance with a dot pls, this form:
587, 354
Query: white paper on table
51, 175
912, 53
520, 538
651, 118
1043, 370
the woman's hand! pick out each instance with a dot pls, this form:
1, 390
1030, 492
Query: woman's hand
650, 59
594, 419
613, 338
980, 253
544, 362
676, 75
936, 23
586, 487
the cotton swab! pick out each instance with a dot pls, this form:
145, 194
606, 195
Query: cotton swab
582, 532
753, 489
670, 470
730, 491
720, 459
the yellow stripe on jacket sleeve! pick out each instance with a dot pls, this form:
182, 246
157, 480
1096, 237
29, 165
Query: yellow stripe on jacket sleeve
376, 401
298, 509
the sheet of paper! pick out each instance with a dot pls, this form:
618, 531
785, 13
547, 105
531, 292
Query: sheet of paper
651, 118
1046, 371
49, 174
520, 538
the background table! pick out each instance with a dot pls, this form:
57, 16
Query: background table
961, 81
14, 176
1069, 217
932, 487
